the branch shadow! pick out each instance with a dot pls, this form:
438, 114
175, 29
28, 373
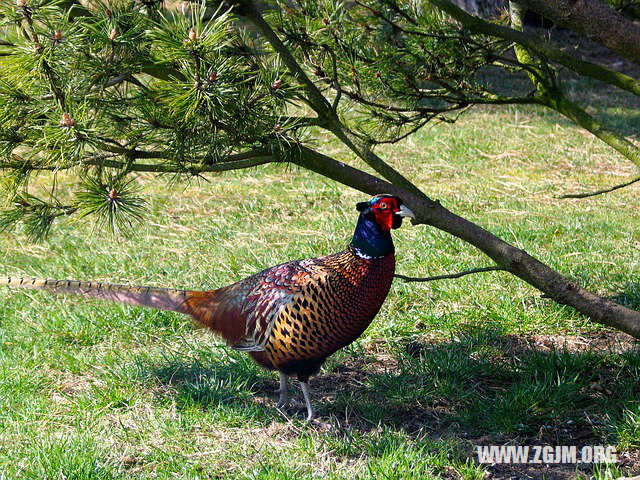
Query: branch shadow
629, 296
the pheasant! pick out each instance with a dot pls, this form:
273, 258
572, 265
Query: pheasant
289, 317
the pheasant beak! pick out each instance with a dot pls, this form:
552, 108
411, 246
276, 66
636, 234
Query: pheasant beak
405, 212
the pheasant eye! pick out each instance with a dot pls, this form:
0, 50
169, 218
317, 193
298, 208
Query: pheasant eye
384, 206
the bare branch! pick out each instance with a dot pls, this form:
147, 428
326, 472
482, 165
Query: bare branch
251, 158
450, 275
600, 192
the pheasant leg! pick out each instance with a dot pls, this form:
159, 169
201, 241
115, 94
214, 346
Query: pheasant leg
284, 396
307, 398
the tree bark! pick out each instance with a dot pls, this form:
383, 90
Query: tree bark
595, 20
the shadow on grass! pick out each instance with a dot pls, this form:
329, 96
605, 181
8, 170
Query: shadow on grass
223, 382
482, 382
487, 383
487, 388
629, 296
481, 387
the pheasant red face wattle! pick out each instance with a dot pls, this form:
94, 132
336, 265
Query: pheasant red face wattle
384, 211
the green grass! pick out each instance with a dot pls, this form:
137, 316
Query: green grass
101, 391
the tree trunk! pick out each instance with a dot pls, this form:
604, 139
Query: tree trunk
595, 20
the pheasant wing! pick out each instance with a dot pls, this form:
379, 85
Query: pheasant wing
278, 288
244, 313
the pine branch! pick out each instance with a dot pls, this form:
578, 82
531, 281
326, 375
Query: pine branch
192, 113
323, 109
251, 158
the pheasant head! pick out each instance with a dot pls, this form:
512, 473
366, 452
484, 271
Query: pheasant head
378, 216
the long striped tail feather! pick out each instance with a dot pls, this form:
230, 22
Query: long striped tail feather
203, 306
158, 298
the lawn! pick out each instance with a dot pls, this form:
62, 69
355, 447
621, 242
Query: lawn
93, 390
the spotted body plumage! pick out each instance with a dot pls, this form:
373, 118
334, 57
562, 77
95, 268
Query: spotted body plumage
290, 317
336, 299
